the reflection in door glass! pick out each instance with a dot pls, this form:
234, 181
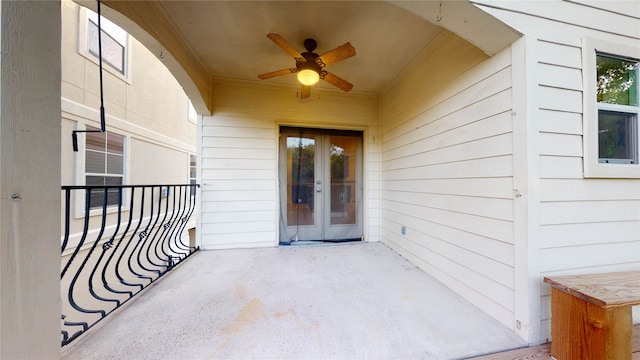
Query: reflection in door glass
300, 180
343, 180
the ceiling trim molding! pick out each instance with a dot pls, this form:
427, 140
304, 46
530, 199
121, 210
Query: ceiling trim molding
465, 20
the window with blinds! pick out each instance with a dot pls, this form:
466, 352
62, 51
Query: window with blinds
104, 165
192, 172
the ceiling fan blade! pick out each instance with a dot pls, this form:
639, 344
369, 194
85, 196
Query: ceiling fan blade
338, 82
305, 91
277, 73
342, 52
284, 45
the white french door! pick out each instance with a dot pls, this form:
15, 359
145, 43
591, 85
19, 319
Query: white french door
320, 184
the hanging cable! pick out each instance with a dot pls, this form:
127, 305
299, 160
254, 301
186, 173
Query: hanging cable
103, 124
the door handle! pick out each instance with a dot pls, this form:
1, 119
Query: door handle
318, 190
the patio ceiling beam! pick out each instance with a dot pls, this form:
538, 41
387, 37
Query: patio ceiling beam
465, 20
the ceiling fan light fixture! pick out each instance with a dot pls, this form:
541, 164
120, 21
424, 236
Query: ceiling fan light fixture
310, 66
308, 77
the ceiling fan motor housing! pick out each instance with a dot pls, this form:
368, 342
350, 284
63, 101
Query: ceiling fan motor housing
311, 59
310, 45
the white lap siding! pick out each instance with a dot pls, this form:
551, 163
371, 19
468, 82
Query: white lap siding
585, 225
239, 160
447, 154
238, 182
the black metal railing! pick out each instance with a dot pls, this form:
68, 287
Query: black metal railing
118, 240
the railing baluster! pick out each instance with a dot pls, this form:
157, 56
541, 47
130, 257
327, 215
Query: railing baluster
192, 208
67, 218
96, 242
153, 235
84, 234
181, 222
116, 266
140, 235
70, 292
171, 226
161, 230
105, 247
146, 240
109, 245
131, 255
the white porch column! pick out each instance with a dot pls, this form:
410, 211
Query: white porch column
30, 179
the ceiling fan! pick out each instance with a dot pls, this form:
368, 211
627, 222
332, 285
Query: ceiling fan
310, 66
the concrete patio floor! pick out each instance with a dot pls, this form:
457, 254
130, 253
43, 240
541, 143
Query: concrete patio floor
356, 301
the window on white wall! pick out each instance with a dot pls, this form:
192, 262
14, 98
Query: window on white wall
611, 110
104, 164
115, 42
192, 172
113, 52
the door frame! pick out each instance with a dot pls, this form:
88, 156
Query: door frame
281, 174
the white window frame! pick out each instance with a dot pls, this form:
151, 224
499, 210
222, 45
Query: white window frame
592, 167
113, 30
106, 153
193, 180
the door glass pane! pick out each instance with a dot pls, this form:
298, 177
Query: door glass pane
343, 180
300, 180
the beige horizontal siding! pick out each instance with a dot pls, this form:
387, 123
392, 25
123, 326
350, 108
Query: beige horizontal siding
447, 170
239, 161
